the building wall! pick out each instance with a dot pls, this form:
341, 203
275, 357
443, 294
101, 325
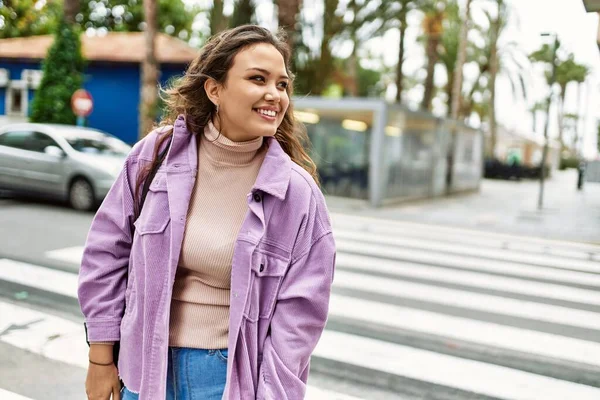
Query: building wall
115, 89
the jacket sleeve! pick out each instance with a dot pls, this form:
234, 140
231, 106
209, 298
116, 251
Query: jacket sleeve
297, 323
103, 271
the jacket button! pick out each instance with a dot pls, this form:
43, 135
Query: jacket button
262, 267
256, 197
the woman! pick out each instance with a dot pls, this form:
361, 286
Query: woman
220, 288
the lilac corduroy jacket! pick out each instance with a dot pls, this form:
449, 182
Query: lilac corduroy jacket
282, 271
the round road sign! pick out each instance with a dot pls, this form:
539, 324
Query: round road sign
82, 103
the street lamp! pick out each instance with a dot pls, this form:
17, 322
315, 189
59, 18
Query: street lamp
549, 103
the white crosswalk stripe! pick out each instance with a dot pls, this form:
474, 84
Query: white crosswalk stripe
6, 395
475, 313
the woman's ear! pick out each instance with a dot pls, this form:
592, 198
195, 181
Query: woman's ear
212, 89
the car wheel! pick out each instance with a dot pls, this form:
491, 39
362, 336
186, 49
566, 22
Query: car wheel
81, 195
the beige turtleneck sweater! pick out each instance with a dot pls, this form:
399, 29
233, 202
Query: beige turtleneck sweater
200, 304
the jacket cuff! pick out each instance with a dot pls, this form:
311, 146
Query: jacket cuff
103, 330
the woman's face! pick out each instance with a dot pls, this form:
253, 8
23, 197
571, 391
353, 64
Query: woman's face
254, 99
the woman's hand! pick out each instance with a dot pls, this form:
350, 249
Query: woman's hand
102, 380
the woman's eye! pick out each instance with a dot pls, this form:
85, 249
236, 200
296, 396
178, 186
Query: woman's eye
258, 78
283, 84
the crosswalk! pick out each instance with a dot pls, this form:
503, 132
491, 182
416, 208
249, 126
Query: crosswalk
417, 311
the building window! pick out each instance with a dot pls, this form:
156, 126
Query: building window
16, 99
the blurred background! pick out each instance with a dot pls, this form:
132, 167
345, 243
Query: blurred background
457, 142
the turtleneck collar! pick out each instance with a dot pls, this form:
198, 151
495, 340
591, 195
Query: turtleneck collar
223, 151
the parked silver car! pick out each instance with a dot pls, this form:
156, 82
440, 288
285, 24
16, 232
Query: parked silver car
68, 162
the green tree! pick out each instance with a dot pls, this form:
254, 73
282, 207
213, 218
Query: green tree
287, 17
567, 71
537, 107
456, 87
370, 82
62, 75
217, 20
243, 13
315, 70
363, 20
397, 16
150, 71
448, 54
174, 17
433, 29
28, 17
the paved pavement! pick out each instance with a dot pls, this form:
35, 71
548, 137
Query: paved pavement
504, 206
417, 312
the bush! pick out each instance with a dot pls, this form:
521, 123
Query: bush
569, 162
62, 75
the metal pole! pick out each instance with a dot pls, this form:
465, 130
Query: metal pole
545, 151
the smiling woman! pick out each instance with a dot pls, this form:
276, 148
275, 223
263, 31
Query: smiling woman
219, 287
256, 84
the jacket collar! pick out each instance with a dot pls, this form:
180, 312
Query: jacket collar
275, 172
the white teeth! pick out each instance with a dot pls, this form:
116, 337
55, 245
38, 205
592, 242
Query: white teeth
267, 112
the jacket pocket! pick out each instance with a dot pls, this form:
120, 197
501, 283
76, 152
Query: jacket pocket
155, 215
266, 274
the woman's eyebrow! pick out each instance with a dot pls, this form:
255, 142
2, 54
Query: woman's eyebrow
264, 71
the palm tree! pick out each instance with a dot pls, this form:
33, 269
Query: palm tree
496, 27
537, 107
449, 48
218, 22
396, 12
287, 14
456, 86
71, 8
367, 22
150, 70
433, 28
243, 12
332, 26
567, 71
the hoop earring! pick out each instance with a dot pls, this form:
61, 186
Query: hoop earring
217, 107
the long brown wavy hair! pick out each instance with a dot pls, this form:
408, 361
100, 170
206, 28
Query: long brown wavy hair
187, 95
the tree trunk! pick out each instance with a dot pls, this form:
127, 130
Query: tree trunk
71, 9
243, 12
352, 80
287, 15
331, 27
218, 22
454, 99
493, 74
450, 92
150, 73
581, 118
561, 114
399, 73
432, 56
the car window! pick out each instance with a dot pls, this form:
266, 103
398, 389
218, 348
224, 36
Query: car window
16, 139
39, 141
107, 145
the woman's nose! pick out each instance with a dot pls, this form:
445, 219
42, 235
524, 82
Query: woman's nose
272, 94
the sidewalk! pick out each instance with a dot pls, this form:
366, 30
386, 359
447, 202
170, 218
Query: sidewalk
504, 206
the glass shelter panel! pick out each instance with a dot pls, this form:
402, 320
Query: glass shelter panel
340, 148
409, 154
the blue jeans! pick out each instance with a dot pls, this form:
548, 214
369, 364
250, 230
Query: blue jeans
193, 374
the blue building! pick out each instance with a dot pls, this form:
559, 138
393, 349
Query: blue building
113, 75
